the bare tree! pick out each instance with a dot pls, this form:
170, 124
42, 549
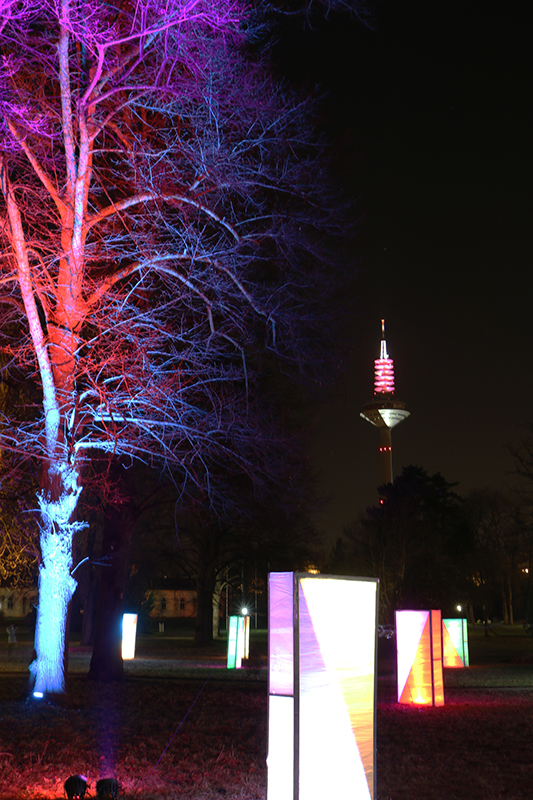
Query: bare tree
19, 544
502, 541
18, 550
207, 548
162, 215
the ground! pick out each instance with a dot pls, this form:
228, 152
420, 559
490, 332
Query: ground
182, 726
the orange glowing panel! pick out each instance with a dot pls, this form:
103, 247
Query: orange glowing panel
419, 653
455, 643
246, 637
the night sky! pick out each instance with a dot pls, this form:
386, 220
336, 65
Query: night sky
431, 116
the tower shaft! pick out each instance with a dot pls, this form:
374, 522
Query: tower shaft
385, 451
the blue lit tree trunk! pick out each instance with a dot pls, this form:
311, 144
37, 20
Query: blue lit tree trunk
56, 584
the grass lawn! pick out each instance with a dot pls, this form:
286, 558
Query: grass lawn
182, 726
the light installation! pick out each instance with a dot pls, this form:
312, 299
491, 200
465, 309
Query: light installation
384, 411
455, 643
129, 633
321, 683
238, 641
419, 654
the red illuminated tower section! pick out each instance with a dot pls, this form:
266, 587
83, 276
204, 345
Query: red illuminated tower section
384, 411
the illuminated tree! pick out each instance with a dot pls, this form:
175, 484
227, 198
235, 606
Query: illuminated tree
162, 215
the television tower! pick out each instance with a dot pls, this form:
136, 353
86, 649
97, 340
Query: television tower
384, 411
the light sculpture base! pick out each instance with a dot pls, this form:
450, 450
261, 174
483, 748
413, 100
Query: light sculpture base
322, 690
419, 653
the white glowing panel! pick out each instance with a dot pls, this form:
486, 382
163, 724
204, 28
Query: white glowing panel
280, 761
337, 663
334, 657
129, 633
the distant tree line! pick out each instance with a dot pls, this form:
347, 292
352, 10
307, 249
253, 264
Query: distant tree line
431, 548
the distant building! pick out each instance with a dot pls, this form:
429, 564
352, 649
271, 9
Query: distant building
172, 603
166, 603
17, 603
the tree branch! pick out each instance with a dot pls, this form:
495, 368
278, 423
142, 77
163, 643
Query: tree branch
147, 197
38, 169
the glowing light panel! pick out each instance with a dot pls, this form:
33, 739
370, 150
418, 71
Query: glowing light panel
234, 623
455, 643
129, 634
245, 646
281, 634
238, 641
419, 655
280, 759
333, 654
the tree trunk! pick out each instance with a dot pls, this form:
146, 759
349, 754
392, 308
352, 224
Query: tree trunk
106, 661
89, 606
217, 593
57, 501
87, 588
505, 607
486, 619
510, 600
205, 587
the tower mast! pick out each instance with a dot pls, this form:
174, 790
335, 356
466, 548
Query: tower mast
384, 411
